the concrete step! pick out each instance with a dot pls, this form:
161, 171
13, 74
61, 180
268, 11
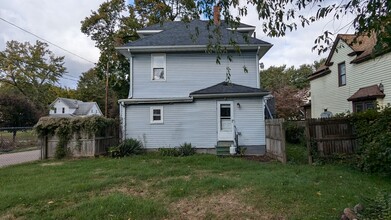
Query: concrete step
222, 147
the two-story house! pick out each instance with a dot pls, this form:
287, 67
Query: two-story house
64, 107
353, 79
178, 93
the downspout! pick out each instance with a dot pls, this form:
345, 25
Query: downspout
257, 65
130, 75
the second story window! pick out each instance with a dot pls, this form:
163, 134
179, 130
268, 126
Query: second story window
341, 74
158, 67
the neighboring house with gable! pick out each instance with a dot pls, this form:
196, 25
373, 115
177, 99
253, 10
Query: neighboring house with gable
353, 79
179, 94
73, 107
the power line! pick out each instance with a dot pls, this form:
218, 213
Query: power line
70, 52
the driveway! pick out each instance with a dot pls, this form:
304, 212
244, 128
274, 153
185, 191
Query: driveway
22, 157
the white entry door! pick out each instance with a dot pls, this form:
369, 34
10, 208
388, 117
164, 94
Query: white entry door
225, 120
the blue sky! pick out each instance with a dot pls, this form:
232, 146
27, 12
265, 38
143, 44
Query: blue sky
59, 22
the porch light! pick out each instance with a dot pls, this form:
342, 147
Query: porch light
381, 87
238, 104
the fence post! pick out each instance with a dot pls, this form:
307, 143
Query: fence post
283, 141
308, 140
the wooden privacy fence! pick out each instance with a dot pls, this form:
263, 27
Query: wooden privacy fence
81, 145
324, 137
331, 136
275, 139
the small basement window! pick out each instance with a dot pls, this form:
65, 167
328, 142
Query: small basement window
158, 67
156, 115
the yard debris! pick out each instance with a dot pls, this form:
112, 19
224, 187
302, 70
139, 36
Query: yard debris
349, 214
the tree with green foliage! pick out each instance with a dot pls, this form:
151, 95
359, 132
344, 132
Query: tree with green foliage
31, 70
370, 17
115, 23
289, 86
156, 11
89, 89
17, 111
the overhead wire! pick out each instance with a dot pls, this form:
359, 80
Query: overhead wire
47, 41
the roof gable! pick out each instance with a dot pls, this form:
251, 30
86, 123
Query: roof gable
365, 93
193, 33
71, 103
225, 88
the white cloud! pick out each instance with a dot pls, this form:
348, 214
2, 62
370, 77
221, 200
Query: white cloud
57, 22
296, 47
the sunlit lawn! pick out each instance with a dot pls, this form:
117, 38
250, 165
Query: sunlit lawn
196, 187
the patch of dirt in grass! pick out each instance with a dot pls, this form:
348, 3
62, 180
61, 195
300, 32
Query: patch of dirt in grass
221, 206
52, 164
132, 189
7, 217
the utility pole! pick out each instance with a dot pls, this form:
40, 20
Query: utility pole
107, 90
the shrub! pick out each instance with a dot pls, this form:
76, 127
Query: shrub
294, 134
186, 150
373, 129
171, 152
130, 147
377, 208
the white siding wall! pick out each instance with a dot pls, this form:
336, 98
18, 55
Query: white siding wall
188, 72
194, 122
59, 105
94, 110
325, 92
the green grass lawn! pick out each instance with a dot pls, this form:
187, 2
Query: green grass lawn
24, 140
200, 186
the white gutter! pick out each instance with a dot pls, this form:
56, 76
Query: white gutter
148, 31
257, 68
155, 100
174, 48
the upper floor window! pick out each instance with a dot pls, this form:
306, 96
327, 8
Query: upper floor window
158, 67
342, 74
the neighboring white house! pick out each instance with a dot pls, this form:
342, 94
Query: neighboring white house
73, 107
178, 93
352, 79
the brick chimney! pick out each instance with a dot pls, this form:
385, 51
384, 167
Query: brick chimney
216, 14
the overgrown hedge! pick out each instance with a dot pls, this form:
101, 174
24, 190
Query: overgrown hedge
373, 129
64, 128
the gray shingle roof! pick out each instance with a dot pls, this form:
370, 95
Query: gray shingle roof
229, 88
84, 108
71, 103
196, 32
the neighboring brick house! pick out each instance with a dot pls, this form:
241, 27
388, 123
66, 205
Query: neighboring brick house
353, 78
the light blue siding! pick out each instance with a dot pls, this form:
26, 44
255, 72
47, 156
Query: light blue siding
195, 122
188, 72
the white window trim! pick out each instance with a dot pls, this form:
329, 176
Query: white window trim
151, 115
164, 66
